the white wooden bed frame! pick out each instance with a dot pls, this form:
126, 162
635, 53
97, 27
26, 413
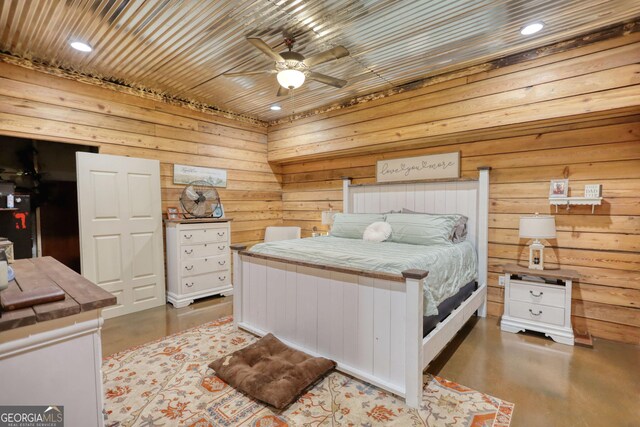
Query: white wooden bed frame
370, 323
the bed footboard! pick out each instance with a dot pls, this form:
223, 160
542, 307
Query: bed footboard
371, 325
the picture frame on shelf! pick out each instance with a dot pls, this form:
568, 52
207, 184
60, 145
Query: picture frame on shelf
593, 191
558, 188
173, 213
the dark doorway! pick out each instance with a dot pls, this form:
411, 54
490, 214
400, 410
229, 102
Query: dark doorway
42, 177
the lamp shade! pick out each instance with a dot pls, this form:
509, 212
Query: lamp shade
290, 79
327, 217
538, 227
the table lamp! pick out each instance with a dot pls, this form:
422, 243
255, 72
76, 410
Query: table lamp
327, 217
537, 227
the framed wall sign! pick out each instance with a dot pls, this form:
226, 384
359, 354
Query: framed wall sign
593, 191
186, 174
559, 188
436, 166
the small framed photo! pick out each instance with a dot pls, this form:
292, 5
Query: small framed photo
559, 188
593, 191
218, 211
173, 213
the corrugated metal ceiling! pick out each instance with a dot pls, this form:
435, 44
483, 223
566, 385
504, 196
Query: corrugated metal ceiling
182, 48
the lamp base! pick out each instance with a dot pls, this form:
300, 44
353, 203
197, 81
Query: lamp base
536, 256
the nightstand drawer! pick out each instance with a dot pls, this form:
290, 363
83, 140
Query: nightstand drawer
528, 292
537, 313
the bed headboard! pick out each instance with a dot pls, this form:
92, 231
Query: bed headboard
461, 196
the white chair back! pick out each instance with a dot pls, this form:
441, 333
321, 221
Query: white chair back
272, 234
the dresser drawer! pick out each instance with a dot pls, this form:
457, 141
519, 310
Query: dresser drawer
189, 237
528, 292
206, 282
203, 250
193, 267
537, 312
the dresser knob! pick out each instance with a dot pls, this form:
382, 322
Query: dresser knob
535, 314
536, 295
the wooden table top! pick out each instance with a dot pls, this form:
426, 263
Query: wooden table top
551, 273
80, 294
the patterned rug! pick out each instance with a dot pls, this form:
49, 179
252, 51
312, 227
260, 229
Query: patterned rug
167, 383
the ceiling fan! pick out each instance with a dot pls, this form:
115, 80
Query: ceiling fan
292, 68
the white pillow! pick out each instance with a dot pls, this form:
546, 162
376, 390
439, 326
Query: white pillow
377, 232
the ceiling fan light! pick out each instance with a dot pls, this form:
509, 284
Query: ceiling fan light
291, 79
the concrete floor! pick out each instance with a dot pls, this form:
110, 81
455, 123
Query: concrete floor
551, 384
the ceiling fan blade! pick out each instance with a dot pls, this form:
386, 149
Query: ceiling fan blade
258, 43
282, 91
249, 73
326, 56
328, 80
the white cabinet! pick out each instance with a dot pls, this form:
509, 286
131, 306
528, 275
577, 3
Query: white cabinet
542, 306
198, 260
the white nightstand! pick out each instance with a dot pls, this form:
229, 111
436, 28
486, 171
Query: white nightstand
542, 306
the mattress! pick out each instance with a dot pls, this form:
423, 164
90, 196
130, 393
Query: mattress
450, 266
446, 307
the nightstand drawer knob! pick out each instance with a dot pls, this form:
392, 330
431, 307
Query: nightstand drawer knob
535, 314
538, 295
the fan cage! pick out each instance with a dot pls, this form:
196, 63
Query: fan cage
199, 199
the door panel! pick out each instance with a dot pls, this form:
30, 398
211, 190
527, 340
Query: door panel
108, 267
121, 229
140, 195
143, 264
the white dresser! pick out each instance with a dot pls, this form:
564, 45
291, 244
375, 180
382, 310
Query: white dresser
198, 259
538, 306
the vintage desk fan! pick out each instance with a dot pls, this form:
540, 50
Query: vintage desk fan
200, 199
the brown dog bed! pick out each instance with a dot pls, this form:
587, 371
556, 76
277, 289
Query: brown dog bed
270, 371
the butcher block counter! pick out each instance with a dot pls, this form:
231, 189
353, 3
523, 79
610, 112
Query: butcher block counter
50, 354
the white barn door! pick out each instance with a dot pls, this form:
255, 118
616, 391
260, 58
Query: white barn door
121, 229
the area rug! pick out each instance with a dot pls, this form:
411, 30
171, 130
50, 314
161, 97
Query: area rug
167, 383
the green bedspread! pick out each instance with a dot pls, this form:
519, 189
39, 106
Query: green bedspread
450, 266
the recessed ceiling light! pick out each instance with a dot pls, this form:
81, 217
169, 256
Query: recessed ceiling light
276, 107
532, 28
82, 47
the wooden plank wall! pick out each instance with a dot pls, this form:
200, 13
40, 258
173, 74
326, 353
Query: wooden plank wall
574, 114
41, 106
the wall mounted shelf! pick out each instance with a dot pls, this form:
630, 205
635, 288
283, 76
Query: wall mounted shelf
568, 201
